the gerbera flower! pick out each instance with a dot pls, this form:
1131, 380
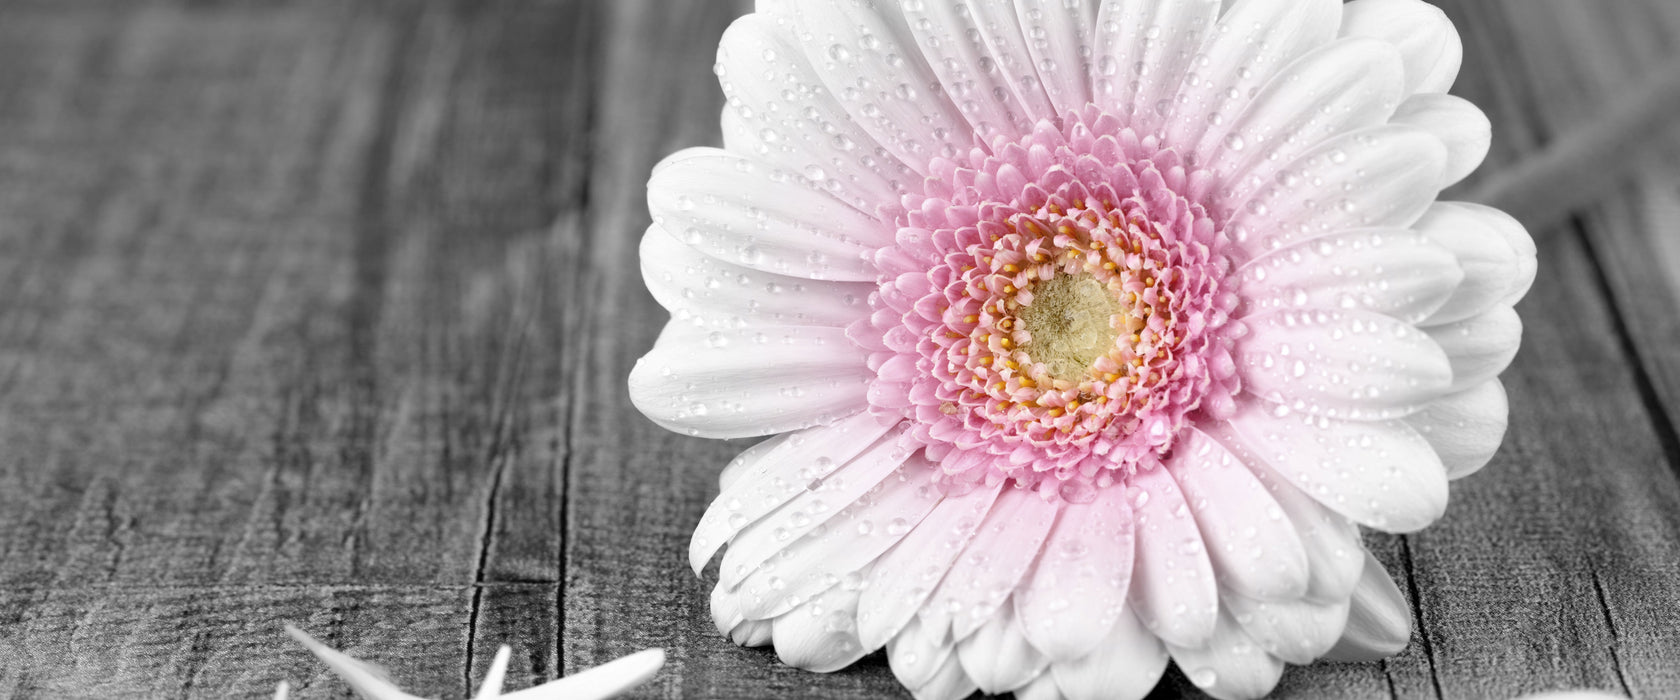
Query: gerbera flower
1093, 332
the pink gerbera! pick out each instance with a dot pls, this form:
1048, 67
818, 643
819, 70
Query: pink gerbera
1093, 330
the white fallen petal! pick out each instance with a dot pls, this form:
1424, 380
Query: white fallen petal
491, 687
369, 681
604, 681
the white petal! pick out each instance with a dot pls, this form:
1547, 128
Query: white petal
1296, 631
998, 657
1465, 428
1059, 37
1230, 665
1000, 28
1144, 49
867, 57
917, 653
1459, 124
742, 383
816, 503
1253, 40
607, 680
1379, 622
1125, 666
1386, 176
1173, 590
752, 633
905, 577
726, 614
992, 564
956, 50
1380, 474
1423, 33
1495, 251
742, 212
1041, 688
1337, 88
950, 682
839, 551
1077, 591
1254, 549
1480, 347
701, 289
368, 680
821, 635
773, 472
1352, 364
1331, 541
1395, 272
795, 124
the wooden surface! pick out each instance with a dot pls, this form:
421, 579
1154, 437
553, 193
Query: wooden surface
321, 312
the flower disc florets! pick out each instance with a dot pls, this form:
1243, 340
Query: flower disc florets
1062, 303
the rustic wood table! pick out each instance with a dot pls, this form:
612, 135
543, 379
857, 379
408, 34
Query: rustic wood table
321, 313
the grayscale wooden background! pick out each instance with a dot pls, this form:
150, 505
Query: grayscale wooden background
321, 312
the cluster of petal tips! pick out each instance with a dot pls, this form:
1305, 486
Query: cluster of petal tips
1091, 332
371, 682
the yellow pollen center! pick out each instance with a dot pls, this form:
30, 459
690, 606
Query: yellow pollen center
1069, 321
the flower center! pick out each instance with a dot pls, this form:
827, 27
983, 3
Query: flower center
1071, 321
1055, 309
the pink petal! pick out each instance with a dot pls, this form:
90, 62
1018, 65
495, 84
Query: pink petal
772, 472
1060, 35
995, 21
1143, 50
1077, 591
815, 504
992, 564
1254, 549
740, 383
835, 553
956, 51
1173, 590
905, 577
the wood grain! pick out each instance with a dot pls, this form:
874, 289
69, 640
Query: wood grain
320, 312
